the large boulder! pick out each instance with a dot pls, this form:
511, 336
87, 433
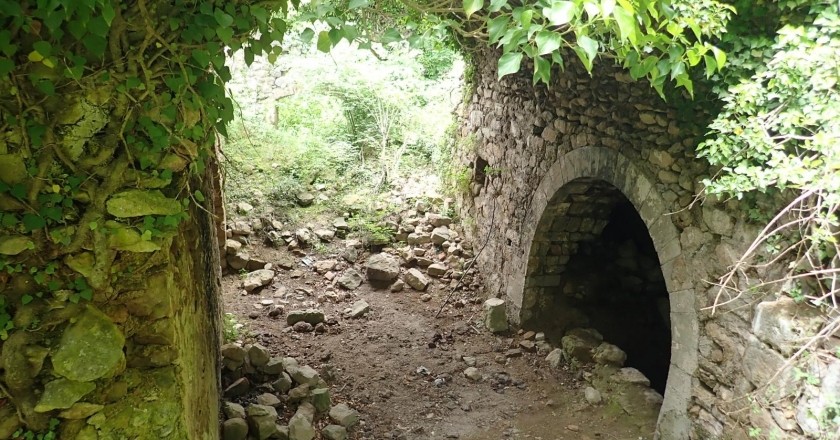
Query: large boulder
383, 267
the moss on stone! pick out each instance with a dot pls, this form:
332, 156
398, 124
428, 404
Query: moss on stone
62, 393
138, 203
91, 348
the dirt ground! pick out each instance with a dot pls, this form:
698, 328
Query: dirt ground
402, 368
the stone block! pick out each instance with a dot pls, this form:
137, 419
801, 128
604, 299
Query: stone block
785, 324
495, 318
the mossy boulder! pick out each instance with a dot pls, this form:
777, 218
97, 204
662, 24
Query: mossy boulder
91, 348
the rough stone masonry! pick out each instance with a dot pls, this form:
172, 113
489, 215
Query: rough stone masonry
562, 158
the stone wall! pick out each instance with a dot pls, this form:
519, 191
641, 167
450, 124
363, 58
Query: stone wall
560, 161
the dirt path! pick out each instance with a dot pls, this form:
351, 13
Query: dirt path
403, 369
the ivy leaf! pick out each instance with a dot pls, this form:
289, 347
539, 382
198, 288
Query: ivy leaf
509, 63
26, 299
472, 6
497, 5
588, 50
198, 195
560, 12
6, 66
542, 70
626, 25
324, 43
496, 27
225, 34
32, 222
548, 42
307, 35
108, 12
223, 18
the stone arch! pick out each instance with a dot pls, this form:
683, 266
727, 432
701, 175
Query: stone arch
607, 170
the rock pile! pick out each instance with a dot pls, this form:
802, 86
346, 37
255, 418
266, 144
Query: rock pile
271, 397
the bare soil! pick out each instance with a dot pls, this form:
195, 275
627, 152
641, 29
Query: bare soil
402, 368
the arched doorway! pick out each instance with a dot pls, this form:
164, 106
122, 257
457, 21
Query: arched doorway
588, 203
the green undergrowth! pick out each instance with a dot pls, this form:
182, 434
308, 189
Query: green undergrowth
353, 129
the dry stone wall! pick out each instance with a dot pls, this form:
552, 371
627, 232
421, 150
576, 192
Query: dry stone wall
549, 165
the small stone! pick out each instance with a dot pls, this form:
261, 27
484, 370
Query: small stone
274, 366
311, 316
554, 358
235, 429
609, 354
630, 375
268, 399
233, 410
321, 399
334, 432
469, 360
438, 220
398, 286
341, 224
232, 247
300, 428
440, 235
513, 353
257, 279
324, 234
416, 279
495, 318
303, 374
436, 270
258, 355
244, 207
324, 266
233, 352
344, 415
299, 393
351, 279
529, 335
425, 297
303, 327
528, 346
473, 374
283, 383
238, 388
360, 308
592, 395
305, 198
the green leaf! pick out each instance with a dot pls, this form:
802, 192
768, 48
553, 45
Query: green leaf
225, 34
542, 70
497, 5
711, 65
324, 44
496, 28
548, 42
223, 18
357, 4
627, 25
307, 35
32, 222
472, 6
720, 57
590, 49
198, 195
108, 12
509, 63
45, 86
560, 12
6, 66
391, 36
43, 48
26, 299
248, 55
